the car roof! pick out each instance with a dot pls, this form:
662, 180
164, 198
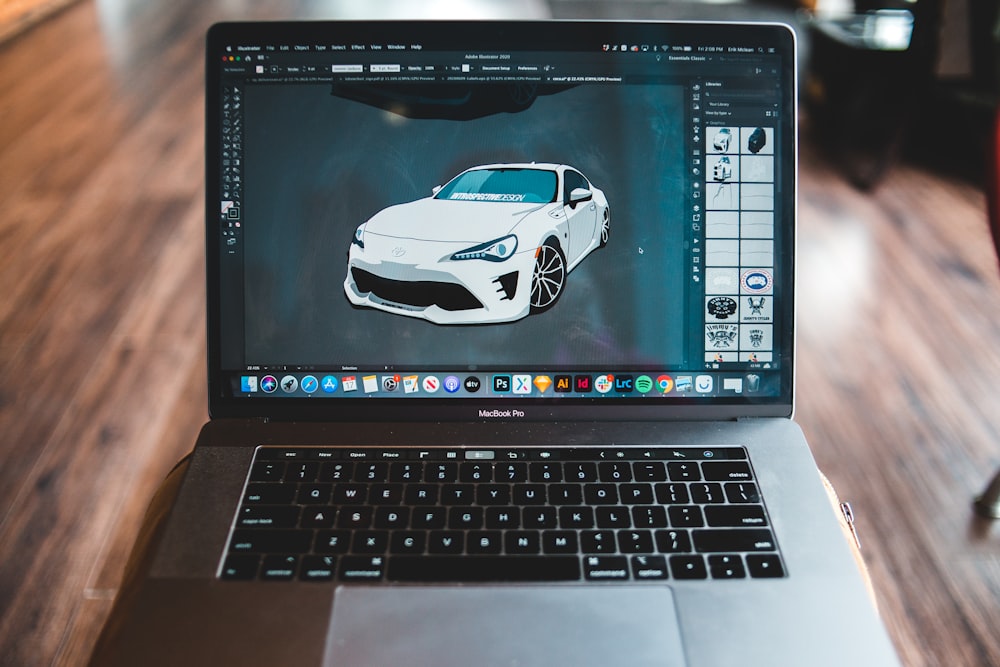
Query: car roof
541, 166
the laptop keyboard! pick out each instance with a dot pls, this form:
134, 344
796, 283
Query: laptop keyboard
501, 515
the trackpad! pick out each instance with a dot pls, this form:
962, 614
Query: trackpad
504, 625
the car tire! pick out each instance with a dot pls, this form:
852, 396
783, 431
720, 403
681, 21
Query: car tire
548, 277
605, 226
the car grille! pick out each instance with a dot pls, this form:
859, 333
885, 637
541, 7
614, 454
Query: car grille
422, 293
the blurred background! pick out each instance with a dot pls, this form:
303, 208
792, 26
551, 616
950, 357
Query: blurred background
102, 343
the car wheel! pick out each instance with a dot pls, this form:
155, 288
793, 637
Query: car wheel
606, 226
548, 277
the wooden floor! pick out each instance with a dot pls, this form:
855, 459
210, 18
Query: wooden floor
102, 345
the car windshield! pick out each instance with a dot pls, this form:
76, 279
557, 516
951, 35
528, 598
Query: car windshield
533, 186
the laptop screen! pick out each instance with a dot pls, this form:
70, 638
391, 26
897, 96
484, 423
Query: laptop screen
500, 219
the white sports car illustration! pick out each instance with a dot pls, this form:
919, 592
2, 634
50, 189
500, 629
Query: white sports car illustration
492, 245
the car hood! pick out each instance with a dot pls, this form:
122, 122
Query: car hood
444, 220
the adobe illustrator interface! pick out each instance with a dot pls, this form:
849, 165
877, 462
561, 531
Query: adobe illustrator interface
473, 220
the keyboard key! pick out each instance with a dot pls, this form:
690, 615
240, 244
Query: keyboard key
688, 567
649, 567
503, 517
317, 568
726, 567
475, 472
614, 471
391, 517
598, 541
493, 494
349, 493
370, 542
727, 471
361, 568
539, 517
386, 494
483, 568
484, 542
240, 567
559, 542
457, 494
421, 494
719, 540
302, 471
565, 494
314, 494
354, 517
683, 471
270, 540
400, 471
441, 472
705, 493
335, 472
635, 541
529, 494
605, 568
445, 542
408, 542
765, 565
267, 471
600, 494
735, 516
429, 517
672, 494
636, 494
652, 516
511, 473
576, 517
332, 541
544, 472
742, 492
318, 517
269, 494
522, 542
672, 541
581, 472
279, 568
613, 517
465, 518
685, 516
268, 516
650, 471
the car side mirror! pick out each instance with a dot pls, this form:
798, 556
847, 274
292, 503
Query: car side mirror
579, 195
436, 189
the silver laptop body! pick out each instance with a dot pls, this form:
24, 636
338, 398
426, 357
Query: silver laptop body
501, 335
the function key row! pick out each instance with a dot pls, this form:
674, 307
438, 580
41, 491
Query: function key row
475, 472
632, 453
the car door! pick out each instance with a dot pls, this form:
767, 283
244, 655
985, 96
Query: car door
581, 216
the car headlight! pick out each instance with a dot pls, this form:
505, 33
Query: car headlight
492, 251
359, 236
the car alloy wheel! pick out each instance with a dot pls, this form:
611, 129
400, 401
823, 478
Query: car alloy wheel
548, 278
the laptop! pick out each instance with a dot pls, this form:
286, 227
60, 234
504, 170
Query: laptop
501, 358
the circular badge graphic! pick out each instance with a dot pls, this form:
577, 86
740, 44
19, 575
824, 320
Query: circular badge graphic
604, 383
309, 384
756, 281
268, 384
329, 384
452, 384
722, 307
664, 384
643, 383
472, 384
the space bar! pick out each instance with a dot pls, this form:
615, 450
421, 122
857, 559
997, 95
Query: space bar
483, 568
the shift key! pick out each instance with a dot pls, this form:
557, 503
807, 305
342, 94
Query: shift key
733, 539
